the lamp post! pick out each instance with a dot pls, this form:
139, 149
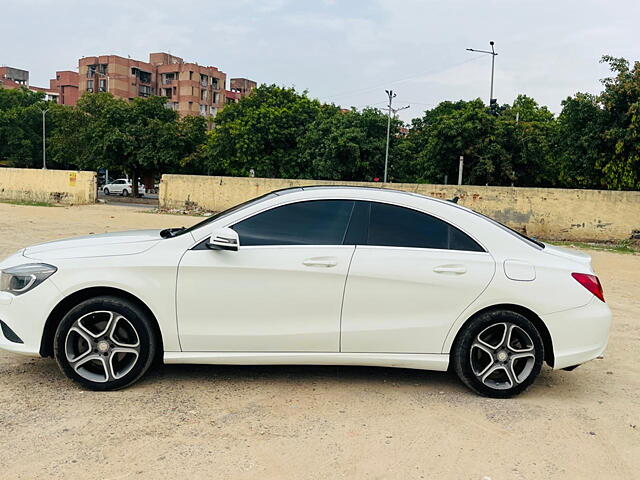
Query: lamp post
391, 96
493, 61
44, 133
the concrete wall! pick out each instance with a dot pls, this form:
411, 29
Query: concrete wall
52, 186
549, 213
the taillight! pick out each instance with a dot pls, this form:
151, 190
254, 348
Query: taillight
591, 283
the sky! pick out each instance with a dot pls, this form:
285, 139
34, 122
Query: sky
343, 51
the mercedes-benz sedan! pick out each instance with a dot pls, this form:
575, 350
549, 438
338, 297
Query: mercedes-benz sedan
312, 275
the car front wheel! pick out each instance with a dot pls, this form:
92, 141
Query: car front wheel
499, 354
105, 343
125, 193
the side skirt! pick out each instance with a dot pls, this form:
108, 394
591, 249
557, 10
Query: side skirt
422, 361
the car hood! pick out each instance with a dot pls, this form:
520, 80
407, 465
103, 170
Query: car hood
100, 245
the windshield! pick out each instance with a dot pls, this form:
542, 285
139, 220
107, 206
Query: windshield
174, 232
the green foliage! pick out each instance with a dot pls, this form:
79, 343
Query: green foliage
136, 136
510, 147
277, 132
621, 102
261, 132
580, 142
21, 127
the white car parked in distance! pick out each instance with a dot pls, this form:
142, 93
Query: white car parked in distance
123, 187
310, 275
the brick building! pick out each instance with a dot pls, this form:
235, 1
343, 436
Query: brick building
238, 88
243, 86
11, 77
66, 86
189, 88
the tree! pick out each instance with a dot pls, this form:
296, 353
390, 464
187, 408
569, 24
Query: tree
261, 133
580, 142
454, 129
21, 127
136, 136
350, 145
621, 102
527, 134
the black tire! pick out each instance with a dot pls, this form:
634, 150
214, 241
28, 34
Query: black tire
125, 193
468, 353
106, 191
136, 318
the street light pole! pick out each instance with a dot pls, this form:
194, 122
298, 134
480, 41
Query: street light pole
391, 96
493, 63
44, 133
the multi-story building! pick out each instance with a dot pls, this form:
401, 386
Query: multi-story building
11, 77
66, 85
189, 88
238, 88
243, 86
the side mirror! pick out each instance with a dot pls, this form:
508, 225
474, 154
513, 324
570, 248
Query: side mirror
224, 239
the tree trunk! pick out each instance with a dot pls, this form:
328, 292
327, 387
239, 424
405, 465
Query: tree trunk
134, 183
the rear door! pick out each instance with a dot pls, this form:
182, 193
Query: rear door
411, 276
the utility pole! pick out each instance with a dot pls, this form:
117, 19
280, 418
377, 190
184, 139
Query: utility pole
391, 96
460, 168
44, 132
492, 101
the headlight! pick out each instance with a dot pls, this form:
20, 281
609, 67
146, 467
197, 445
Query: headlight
21, 279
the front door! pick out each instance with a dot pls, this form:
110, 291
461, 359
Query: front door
280, 292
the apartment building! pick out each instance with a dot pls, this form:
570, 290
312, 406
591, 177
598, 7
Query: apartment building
243, 86
189, 88
11, 77
66, 86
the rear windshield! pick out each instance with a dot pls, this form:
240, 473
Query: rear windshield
531, 241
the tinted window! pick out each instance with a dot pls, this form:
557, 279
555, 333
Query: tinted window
318, 222
395, 226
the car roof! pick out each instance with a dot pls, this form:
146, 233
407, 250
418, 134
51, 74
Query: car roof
289, 190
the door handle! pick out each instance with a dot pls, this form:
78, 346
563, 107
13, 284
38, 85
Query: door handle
326, 262
453, 269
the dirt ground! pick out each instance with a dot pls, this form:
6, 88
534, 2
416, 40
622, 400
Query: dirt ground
230, 422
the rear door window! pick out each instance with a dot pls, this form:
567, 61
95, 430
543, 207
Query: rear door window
394, 226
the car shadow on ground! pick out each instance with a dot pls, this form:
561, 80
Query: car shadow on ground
45, 371
299, 373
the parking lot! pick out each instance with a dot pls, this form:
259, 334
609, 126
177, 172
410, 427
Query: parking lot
316, 422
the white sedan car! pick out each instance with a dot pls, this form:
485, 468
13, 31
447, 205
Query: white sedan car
312, 275
123, 187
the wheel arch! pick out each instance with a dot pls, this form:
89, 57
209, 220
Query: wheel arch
533, 317
66, 304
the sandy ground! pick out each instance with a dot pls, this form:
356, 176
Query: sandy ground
316, 422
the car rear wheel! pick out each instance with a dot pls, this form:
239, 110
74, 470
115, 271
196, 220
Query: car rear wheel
105, 343
499, 354
106, 191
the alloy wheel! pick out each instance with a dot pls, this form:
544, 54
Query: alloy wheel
502, 356
102, 346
